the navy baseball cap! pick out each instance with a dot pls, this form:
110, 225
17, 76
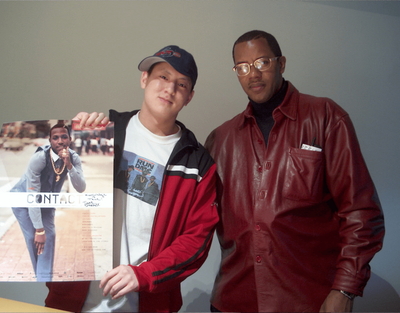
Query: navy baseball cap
178, 58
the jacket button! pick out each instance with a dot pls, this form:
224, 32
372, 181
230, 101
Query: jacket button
260, 168
268, 165
260, 141
258, 227
258, 259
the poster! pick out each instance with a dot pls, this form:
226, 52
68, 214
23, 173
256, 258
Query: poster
75, 205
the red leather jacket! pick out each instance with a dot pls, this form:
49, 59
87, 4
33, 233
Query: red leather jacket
294, 223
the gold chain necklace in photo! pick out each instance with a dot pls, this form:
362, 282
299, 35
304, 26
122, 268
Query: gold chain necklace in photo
55, 171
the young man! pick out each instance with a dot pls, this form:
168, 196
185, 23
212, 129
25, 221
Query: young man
46, 172
300, 218
157, 243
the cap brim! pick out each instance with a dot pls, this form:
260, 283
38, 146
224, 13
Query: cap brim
148, 62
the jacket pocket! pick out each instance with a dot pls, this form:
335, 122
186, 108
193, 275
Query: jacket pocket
304, 175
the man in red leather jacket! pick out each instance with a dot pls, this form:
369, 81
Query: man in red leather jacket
300, 219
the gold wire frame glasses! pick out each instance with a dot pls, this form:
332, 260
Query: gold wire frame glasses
261, 64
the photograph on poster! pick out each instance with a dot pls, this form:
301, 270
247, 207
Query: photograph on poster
56, 185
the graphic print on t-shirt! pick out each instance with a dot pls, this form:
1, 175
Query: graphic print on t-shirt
140, 177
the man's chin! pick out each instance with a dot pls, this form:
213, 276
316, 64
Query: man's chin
258, 97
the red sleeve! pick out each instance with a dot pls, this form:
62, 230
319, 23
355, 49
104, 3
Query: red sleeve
362, 225
175, 261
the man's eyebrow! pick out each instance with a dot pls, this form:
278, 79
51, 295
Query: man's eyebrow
185, 80
165, 71
263, 56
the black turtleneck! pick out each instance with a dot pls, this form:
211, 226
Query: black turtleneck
263, 111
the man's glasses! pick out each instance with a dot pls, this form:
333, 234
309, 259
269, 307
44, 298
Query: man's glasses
261, 64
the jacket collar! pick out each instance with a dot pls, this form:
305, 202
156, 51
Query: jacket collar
187, 138
290, 102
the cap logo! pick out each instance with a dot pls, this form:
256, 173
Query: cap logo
166, 53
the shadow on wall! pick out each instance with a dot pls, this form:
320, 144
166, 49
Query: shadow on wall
199, 301
379, 296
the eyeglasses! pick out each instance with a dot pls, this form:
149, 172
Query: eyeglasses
261, 64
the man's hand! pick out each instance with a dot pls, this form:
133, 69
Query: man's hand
119, 281
337, 302
91, 120
64, 155
40, 240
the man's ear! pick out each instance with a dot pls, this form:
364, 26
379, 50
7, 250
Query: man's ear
189, 98
143, 79
282, 64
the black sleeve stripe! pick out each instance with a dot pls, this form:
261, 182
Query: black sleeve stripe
176, 274
183, 264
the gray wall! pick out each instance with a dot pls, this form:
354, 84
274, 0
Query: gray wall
58, 58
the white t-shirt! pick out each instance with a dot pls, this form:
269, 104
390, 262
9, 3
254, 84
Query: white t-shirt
141, 173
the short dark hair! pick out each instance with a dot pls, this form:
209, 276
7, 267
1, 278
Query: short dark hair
255, 34
151, 68
61, 125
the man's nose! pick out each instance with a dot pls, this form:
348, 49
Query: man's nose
171, 87
254, 71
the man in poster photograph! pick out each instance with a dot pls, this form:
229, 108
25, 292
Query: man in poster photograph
46, 172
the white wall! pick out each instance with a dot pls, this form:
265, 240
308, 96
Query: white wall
58, 58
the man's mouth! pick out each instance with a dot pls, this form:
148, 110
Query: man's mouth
168, 101
256, 85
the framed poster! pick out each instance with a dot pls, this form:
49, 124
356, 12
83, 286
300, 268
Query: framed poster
56, 208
